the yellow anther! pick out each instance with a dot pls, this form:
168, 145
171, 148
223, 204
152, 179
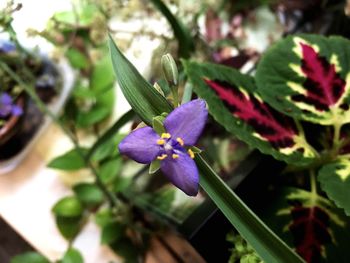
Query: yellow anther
191, 153
165, 136
162, 157
175, 156
160, 142
180, 141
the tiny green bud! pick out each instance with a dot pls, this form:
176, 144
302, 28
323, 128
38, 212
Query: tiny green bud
171, 74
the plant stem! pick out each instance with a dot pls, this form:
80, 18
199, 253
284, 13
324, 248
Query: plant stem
336, 138
42, 107
313, 184
174, 92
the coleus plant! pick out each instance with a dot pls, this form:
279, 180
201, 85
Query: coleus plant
296, 109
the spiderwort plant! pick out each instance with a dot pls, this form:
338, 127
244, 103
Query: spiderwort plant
182, 128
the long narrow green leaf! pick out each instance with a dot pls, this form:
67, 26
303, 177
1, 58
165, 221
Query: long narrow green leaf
111, 132
145, 100
263, 240
181, 32
266, 243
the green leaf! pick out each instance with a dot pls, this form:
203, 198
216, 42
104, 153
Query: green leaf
29, 257
266, 243
127, 250
93, 116
69, 227
143, 98
235, 104
72, 256
104, 217
182, 34
154, 167
85, 15
77, 59
89, 194
157, 125
121, 183
108, 149
112, 232
104, 140
307, 77
335, 181
69, 161
69, 206
102, 75
109, 170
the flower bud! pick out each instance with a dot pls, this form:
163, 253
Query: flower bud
170, 71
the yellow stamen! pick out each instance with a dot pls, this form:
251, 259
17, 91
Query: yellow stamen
180, 141
191, 153
175, 156
161, 142
162, 157
165, 136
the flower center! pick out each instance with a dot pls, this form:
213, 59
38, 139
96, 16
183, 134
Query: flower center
171, 148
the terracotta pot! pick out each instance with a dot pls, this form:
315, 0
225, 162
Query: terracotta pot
13, 124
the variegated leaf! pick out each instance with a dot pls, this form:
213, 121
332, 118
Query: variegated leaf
335, 181
234, 102
308, 77
311, 226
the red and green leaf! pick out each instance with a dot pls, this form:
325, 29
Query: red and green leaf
308, 77
234, 102
311, 226
310, 229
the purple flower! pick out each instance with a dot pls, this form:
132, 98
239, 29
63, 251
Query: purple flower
183, 127
7, 46
7, 106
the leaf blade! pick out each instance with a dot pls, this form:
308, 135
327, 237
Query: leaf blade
143, 98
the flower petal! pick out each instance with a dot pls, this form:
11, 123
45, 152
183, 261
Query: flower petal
182, 172
16, 110
187, 121
141, 145
5, 99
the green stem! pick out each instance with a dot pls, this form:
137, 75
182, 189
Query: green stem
336, 138
313, 184
42, 107
174, 92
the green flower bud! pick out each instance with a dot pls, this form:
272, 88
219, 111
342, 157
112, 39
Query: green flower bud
171, 74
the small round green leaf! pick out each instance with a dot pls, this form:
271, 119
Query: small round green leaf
68, 207
69, 227
72, 256
89, 194
29, 257
112, 232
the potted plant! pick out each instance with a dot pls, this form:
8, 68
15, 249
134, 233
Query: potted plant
24, 71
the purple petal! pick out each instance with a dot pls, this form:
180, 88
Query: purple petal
7, 46
5, 110
5, 99
187, 121
141, 145
182, 172
16, 110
